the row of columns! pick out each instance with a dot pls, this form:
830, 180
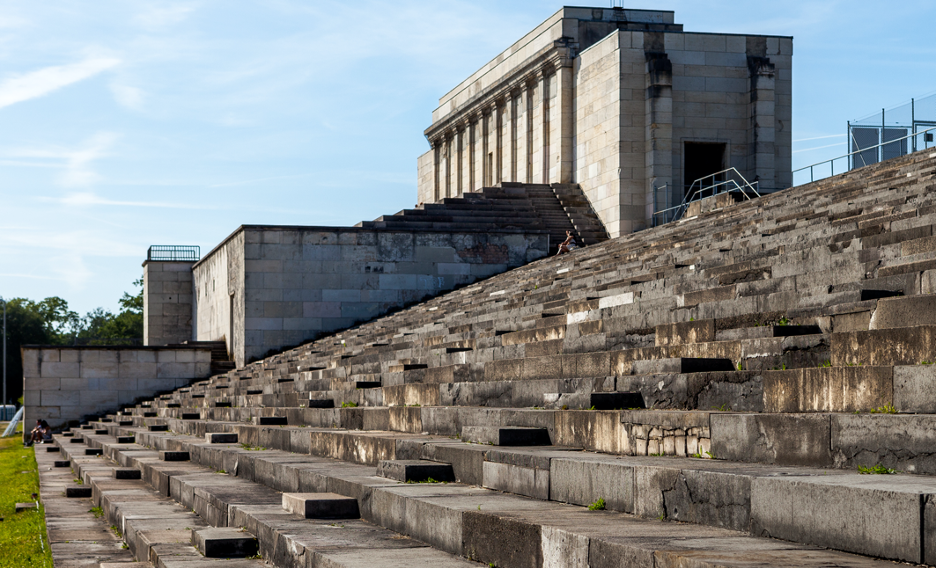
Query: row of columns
523, 135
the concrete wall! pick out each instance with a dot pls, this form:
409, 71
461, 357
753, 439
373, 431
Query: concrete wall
300, 282
167, 302
219, 294
63, 384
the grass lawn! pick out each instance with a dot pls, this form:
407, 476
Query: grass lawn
20, 533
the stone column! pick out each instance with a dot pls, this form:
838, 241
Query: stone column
436, 170
514, 137
459, 160
485, 147
566, 118
536, 135
470, 154
498, 143
658, 135
762, 131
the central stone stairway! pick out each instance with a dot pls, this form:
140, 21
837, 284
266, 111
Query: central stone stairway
751, 386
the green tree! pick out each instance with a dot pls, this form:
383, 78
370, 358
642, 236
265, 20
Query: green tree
25, 326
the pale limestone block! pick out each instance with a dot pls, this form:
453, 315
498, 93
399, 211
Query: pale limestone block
99, 370
185, 356
32, 397
57, 397
202, 370
201, 356
69, 355
97, 400
30, 363
119, 384
141, 356
59, 370
137, 370
175, 370
50, 355
263, 324
36, 384
319, 238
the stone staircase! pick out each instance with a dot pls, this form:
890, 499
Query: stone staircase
750, 386
554, 208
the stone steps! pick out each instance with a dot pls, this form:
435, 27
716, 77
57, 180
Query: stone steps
483, 524
154, 515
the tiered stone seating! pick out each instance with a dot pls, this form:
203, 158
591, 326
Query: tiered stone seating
731, 371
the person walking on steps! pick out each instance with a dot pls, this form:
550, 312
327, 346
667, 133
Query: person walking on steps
567, 245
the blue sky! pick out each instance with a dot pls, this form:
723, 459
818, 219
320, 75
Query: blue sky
127, 123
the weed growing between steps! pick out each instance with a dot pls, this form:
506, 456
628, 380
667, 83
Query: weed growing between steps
876, 470
23, 540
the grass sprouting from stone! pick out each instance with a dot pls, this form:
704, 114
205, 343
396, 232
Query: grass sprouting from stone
876, 470
886, 409
598, 505
23, 540
349, 405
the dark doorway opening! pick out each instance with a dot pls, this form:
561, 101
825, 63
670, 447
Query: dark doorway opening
702, 159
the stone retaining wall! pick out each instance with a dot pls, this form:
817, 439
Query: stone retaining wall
65, 384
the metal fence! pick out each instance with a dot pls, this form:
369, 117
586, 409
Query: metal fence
178, 253
892, 132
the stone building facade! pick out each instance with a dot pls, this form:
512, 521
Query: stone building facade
624, 103
270, 287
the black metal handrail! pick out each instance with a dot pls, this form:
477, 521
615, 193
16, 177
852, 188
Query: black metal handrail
177, 253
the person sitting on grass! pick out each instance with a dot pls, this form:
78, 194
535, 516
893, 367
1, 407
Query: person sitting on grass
41, 433
567, 245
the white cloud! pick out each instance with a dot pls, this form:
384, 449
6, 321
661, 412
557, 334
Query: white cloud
127, 96
156, 17
87, 199
78, 170
32, 85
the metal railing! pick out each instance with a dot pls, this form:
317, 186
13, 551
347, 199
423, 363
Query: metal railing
727, 185
831, 161
177, 253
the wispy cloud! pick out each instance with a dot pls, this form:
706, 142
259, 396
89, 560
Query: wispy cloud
32, 85
90, 199
160, 16
76, 162
819, 138
127, 96
816, 148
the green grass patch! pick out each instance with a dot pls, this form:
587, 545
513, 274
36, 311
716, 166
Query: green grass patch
20, 533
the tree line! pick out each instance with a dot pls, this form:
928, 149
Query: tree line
52, 322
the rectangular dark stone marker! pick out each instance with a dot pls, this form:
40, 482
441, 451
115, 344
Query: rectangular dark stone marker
367, 384
76, 441
329, 403
93, 451
225, 543
173, 405
254, 391
125, 423
415, 470
198, 396
67, 434
506, 436
284, 380
127, 473
616, 400
158, 428
52, 449
221, 437
62, 463
80, 491
169, 456
105, 420
271, 421
222, 404
100, 432
86, 427
321, 505
150, 414
191, 416
126, 439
